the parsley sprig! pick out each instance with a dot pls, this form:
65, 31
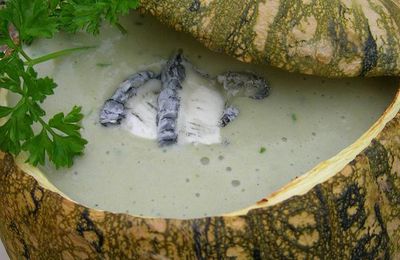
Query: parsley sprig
59, 138
25, 127
88, 15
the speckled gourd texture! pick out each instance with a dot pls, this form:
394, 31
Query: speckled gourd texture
354, 215
331, 38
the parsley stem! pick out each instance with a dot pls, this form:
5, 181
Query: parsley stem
23, 53
55, 55
20, 50
39, 118
46, 126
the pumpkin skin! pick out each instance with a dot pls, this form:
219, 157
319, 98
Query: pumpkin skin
335, 38
353, 215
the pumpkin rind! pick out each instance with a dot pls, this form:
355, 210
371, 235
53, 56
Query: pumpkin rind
354, 215
335, 38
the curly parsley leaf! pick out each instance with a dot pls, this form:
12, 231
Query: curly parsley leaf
68, 124
65, 148
31, 18
5, 39
38, 89
60, 138
5, 111
25, 128
10, 69
16, 130
88, 15
37, 147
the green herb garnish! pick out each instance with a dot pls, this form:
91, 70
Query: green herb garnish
88, 15
294, 117
103, 65
262, 150
25, 127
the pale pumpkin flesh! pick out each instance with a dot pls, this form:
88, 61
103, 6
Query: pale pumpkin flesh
326, 215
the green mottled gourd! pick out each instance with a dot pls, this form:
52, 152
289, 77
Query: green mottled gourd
345, 208
338, 38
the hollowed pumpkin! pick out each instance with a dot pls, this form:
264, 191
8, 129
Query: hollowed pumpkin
346, 207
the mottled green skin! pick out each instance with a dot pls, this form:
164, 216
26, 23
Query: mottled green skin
353, 215
344, 41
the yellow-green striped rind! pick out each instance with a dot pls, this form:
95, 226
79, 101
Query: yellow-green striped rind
353, 215
335, 38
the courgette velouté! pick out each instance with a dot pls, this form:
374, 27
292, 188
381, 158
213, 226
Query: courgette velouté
345, 208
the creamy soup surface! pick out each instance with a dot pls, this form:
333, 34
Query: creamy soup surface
304, 121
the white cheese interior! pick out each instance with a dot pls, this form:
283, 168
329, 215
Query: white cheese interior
202, 105
142, 111
306, 120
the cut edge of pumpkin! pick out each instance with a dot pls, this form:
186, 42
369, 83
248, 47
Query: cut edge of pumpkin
20, 160
299, 186
327, 169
